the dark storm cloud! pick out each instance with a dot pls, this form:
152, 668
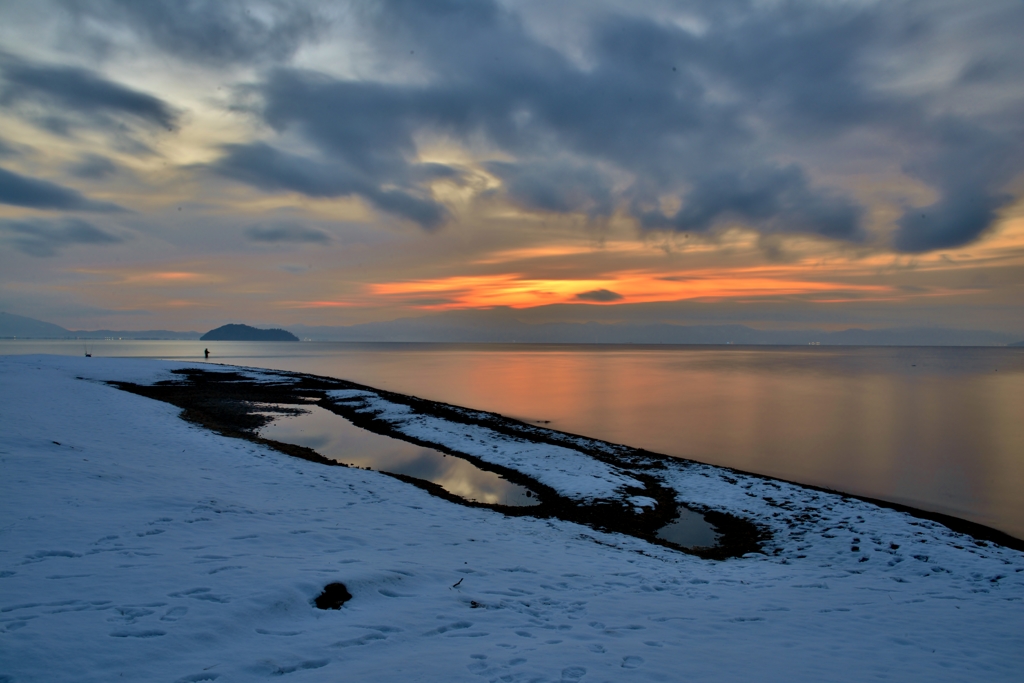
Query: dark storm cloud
68, 95
19, 190
556, 187
599, 295
774, 199
39, 237
267, 168
733, 119
287, 233
215, 32
968, 165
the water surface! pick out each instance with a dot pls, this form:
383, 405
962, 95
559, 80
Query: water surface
690, 530
334, 437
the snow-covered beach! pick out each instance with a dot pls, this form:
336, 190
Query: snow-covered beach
137, 546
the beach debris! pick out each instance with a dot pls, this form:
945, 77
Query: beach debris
333, 596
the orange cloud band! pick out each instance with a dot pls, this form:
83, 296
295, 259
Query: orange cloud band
515, 291
318, 304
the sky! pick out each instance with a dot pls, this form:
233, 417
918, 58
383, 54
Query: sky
809, 164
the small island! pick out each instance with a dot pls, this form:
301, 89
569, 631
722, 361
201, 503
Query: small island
235, 332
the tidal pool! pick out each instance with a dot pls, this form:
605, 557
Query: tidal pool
689, 530
334, 437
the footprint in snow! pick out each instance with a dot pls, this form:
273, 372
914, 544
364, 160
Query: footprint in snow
456, 626
199, 594
311, 664
129, 614
197, 678
632, 662
64, 576
44, 554
153, 633
226, 568
361, 640
174, 614
479, 665
573, 673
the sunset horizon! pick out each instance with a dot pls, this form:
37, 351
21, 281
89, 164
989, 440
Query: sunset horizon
819, 166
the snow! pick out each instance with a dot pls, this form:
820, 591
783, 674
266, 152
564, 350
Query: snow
134, 546
571, 473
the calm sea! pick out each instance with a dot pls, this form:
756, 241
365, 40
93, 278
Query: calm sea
936, 428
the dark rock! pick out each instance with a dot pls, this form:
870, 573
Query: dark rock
334, 596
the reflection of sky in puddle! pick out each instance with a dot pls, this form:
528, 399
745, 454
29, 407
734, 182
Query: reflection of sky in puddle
332, 436
689, 530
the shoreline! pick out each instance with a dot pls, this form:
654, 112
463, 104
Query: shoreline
740, 538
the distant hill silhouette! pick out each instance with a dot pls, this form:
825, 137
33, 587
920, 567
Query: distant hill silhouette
505, 326
1020, 343
234, 332
18, 326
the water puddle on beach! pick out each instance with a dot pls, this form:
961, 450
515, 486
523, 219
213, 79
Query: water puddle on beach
690, 530
334, 437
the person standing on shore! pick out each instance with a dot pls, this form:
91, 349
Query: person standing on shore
206, 352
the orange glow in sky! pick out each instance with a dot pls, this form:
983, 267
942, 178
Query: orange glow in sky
149, 277
516, 291
318, 304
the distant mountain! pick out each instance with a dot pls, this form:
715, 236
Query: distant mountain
21, 327
1020, 343
234, 332
493, 328
132, 334
27, 328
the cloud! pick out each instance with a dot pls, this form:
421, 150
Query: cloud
968, 166
93, 167
19, 190
72, 96
599, 295
744, 113
213, 32
8, 150
950, 222
287, 232
41, 238
556, 186
267, 168
273, 170
775, 199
